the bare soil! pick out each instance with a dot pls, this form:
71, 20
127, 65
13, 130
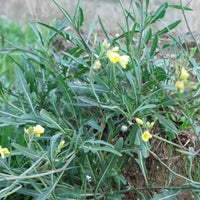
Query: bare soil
158, 175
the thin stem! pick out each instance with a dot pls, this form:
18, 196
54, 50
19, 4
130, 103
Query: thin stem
188, 26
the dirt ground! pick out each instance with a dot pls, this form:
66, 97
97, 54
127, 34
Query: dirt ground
109, 10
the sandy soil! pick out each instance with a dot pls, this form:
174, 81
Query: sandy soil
109, 10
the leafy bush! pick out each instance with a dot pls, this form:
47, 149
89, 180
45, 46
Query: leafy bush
76, 115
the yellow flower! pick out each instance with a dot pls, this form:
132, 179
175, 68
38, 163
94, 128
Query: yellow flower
97, 64
179, 85
113, 56
139, 121
184, 74
3, 151
38, 130
123, 61
146, 136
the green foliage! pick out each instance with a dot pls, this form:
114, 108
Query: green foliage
13, 35
87, 100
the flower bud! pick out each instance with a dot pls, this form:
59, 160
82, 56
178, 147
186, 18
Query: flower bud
139, 121
97, 64
106, 45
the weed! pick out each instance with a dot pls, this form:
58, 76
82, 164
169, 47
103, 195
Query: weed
83, 112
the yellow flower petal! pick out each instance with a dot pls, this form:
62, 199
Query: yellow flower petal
179, 85
184, 74
146, 136
2, 155
37, 134
113, 56
38, 130
3, 151
139, 121
123, 61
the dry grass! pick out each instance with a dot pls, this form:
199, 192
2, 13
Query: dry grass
109, 10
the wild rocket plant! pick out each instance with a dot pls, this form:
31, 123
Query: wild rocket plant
73, 119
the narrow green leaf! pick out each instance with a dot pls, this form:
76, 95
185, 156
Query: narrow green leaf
179, 7
141, 108
167, 195
37, 33
28, 192
168, 28
141, 163
66, 14
102, 27
81, 18
45, 195
168, 124
68, 94
148, 36
50, 119
159, 13
53, 145
27, 152
58, 31
95, 149
23, 86
154, 45
94, 146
